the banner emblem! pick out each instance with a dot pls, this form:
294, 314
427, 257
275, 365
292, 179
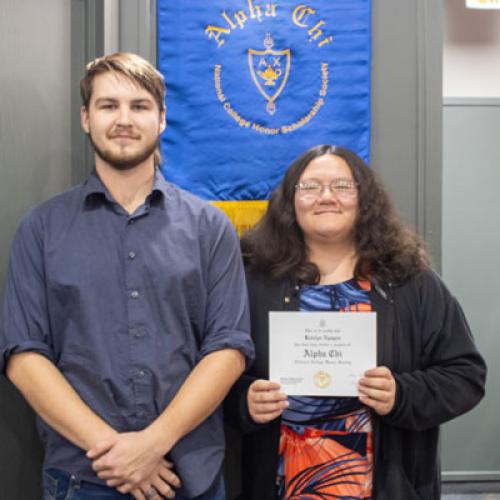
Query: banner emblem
269, 72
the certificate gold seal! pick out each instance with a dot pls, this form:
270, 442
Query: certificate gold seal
322, 379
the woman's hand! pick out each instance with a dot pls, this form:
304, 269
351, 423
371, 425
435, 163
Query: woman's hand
265, 401
377, 389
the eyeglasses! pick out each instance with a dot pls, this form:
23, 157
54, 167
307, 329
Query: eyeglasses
342, 188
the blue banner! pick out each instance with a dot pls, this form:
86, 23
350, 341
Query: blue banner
251, 85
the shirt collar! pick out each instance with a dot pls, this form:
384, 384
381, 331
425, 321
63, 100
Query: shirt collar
160, 184
93, 188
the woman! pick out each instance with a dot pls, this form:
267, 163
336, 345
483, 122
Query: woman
330, 240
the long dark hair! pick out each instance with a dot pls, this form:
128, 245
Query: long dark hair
387, 250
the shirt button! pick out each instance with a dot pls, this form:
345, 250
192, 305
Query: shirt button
131, 255
135, 332
134, 294
141, 373
131, 221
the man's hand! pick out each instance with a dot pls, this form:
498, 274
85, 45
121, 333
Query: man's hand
160, 484
377, 389
127, 460
265, 401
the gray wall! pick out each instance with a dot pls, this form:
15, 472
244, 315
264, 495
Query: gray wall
34, 165
406, 110
471, 246
34, 107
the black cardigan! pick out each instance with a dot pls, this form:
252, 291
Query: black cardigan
423, 337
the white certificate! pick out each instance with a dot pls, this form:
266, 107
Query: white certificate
321, 353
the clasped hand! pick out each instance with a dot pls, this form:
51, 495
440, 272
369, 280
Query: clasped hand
132, 462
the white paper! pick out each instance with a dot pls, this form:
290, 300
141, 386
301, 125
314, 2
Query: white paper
321, 353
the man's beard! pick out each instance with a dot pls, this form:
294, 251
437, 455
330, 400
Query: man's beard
119, 162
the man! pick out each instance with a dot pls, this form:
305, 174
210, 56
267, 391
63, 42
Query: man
125, 317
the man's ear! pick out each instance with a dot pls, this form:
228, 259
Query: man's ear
163, 119
84, 119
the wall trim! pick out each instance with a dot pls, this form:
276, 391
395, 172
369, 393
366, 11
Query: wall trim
429, 127
87, 43
467, 476
137, 28
471, 101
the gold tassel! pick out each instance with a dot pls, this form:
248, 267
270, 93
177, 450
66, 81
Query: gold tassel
243, 214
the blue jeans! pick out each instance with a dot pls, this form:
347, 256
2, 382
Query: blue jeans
59, 485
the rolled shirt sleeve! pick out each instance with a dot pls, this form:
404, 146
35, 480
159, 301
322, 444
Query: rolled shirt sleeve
25, 323
227, 319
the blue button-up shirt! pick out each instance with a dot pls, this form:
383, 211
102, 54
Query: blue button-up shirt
125, 306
